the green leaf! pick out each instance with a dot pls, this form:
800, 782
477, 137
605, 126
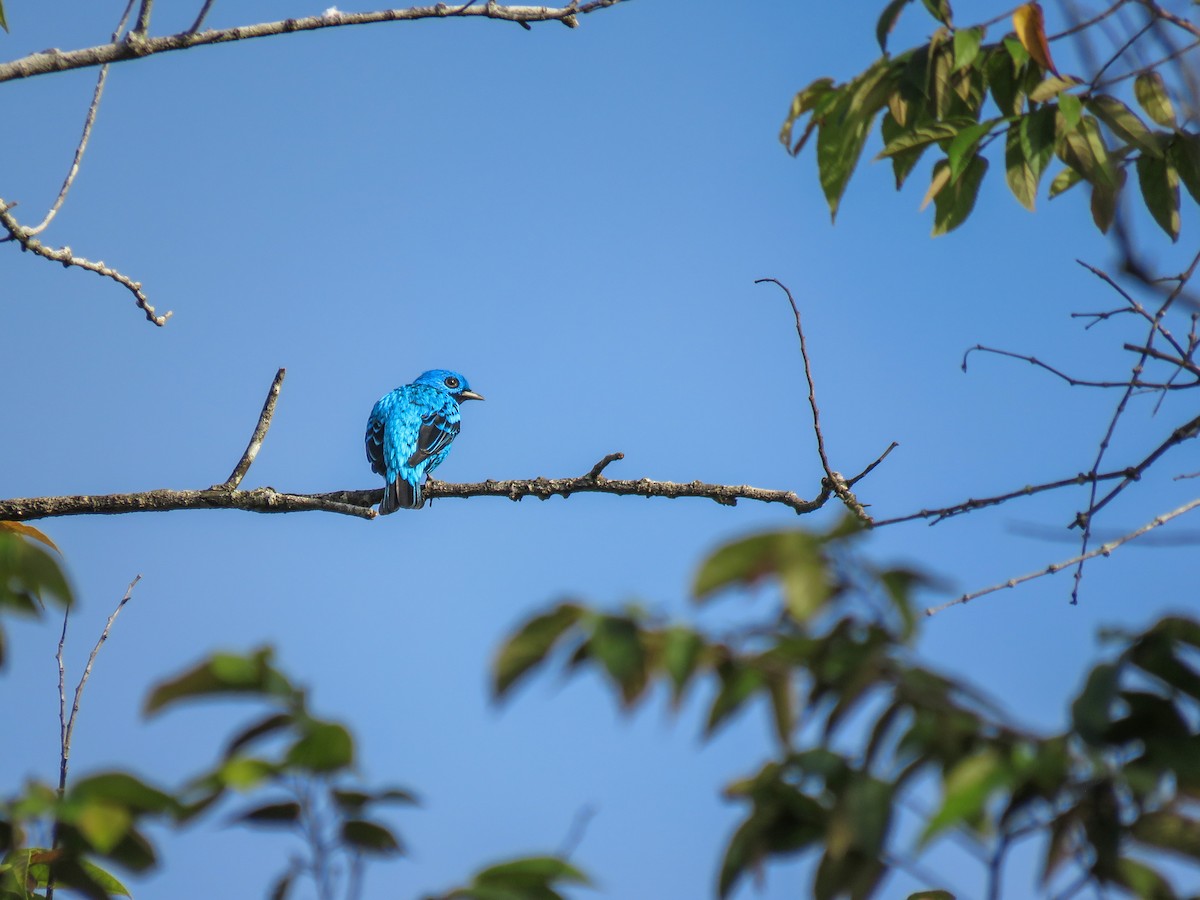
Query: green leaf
1184, 154
1071, 108
1151, 93
103, 824
1051, 87
931, 895
616, 642
370, 837
805, 101
887, 21
681, 655
966, 791
326, 747
220, 675
1124, 123
1063, 181
902, 161
965, 145
966, 46
939, 9
1083, 149
1160, 189
1104, 205
3, 21
1028, 147
530, 645
1016, 51
954, 202
106, 880
922, 136
1002, 80
284, 814
794, 557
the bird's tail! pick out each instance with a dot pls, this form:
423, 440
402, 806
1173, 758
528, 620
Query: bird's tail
400, 494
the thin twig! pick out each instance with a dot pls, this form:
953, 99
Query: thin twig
579, 823
1103, 550
143, 20
64, 255
1076, 382
867, 471
1029, 490
812, 391
257, 438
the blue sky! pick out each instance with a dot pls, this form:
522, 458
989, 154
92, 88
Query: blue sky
574, 219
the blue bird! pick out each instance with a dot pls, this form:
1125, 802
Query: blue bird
409, 434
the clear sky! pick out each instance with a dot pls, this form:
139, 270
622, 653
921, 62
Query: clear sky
574, 219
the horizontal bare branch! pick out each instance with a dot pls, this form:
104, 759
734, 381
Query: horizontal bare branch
137, 45
359, 503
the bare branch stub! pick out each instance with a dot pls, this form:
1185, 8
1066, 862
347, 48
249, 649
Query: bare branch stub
257, 438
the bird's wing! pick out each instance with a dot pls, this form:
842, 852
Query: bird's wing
439, 426
375, 429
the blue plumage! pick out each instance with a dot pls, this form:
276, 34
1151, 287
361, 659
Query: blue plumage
409, 434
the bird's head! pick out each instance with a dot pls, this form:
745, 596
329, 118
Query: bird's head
451, 382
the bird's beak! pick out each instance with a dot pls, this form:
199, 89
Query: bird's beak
470, 395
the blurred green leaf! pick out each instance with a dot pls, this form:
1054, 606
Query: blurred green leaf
263, 727
245, 772
682, 648
738, 684
103, 824
1071, 108
1151, 93
530, 872
324, 747
1142, 881
1160, 190
220, 675
1169, 831
954, 202
123, 789
617, 645
370, 837
3, 21
795, 557
931, 895
285, 814
965, 792
861, 818
530, 645
28, 576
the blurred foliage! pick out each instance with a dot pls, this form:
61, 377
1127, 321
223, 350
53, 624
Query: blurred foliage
859, 725
936, 96
29, 576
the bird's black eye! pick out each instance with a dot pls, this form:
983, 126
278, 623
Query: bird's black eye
451, 382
